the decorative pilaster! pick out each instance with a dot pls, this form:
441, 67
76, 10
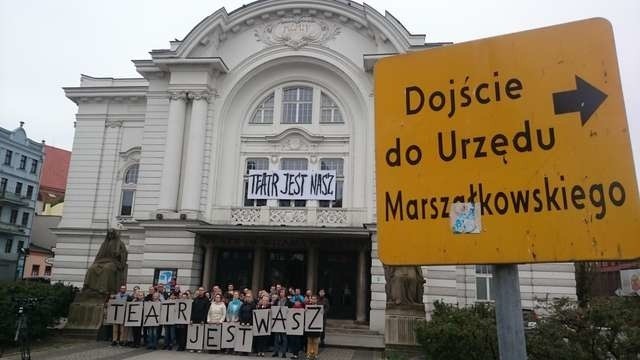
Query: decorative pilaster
257, 276
208, 261
195, 152
312, 268
170, 179
361, 287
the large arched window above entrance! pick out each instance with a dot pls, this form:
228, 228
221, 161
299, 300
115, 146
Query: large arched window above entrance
127, 197
297, 104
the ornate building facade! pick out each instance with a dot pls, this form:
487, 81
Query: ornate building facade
274, 85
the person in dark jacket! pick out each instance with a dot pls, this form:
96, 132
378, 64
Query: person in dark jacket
199, 308
280, 343
245, 315
181, 329
262, 342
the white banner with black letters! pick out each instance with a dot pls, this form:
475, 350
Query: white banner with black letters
292, 184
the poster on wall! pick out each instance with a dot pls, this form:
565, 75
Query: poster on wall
630, 281
164, 276
292, 184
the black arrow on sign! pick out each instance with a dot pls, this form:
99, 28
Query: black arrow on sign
585, 98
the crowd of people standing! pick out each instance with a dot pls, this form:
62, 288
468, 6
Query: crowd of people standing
217, 306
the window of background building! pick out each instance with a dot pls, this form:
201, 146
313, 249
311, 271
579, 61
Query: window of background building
8, 246
485, 284
127, 197
25, 219
264, 112
23, 162
14, 216
329, 111
18, 188
29, 192
254, 164
20, 245
34, 166
297, 103
293, 164
47, 270
1, 213
35, 270
338, 166
8, 155
3, 185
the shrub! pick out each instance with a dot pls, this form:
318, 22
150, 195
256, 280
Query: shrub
604, 328
53, 303
459, 333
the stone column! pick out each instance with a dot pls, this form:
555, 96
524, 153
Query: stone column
361, 287
173, 152
257, 274
312, 268
192, 181
208, 260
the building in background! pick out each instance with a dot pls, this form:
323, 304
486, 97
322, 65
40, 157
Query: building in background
39, 259
274, 85
20, 165
53, 182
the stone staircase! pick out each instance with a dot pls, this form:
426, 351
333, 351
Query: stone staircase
347, 333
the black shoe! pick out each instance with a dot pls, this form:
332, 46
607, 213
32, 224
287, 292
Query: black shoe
114, 343
284, 356
275, 355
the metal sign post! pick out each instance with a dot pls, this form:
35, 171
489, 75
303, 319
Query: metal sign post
511, 341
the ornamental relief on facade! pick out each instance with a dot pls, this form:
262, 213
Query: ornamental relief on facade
297, 32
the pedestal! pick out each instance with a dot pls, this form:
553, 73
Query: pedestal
400, 325
86, 314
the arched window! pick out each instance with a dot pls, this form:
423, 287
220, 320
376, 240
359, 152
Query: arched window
297, 103
329, 111
264, 111
127, 198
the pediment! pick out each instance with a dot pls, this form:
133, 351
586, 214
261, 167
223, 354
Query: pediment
293, 24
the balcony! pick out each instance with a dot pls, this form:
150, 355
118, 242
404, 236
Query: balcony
13, 229
291, 216
13, 199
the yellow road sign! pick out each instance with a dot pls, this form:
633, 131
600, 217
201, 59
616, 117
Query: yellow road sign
512, 149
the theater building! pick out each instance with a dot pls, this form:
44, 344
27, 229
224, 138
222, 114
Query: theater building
273, 85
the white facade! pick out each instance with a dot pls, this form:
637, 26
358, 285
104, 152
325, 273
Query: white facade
275, 84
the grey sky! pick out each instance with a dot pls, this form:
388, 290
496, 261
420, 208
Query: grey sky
45, 45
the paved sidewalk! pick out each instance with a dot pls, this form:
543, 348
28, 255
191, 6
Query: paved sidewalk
104, 351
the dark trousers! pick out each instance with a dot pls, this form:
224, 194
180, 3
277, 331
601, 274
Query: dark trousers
137, 334
295, 343
280, 343
261, 343
181, 336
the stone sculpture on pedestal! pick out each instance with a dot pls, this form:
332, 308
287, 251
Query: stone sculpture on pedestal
103, 278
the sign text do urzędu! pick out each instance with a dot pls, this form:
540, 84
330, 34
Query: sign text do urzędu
292, 184
513, 149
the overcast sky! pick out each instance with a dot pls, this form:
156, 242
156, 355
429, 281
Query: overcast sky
45, 45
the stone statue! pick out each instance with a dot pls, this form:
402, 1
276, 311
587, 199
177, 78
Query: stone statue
103, 278
404, 285
108, 270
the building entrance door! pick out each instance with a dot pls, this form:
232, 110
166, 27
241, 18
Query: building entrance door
234, 267
287, 268
337, 273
